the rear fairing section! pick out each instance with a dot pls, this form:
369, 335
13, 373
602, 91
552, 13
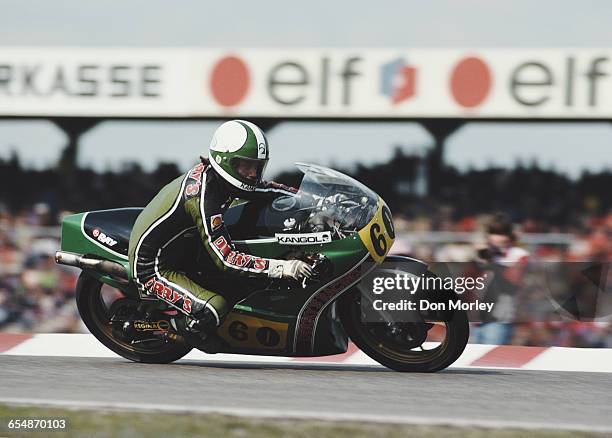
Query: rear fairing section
81, 236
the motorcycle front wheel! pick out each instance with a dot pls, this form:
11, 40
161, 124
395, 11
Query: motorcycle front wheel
97, 303
395, 345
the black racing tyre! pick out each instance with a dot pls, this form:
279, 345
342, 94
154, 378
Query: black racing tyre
95, 314
393, 356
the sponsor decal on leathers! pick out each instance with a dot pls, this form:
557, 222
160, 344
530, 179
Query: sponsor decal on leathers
304, 239
239, 259
193, 188
168, 294
216, 221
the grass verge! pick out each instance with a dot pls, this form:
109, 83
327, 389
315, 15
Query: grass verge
105, 423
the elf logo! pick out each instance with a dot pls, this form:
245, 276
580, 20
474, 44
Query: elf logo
398, 80
103, 238
304, 239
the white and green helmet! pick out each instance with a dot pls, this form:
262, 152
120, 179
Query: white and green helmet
239, 153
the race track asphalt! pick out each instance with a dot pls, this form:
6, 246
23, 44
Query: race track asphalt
486, 397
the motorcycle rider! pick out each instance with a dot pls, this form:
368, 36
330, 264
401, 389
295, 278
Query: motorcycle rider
197, 200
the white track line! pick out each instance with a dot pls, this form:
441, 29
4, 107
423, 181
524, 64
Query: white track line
551, 359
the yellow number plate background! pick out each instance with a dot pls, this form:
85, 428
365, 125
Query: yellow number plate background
250, 326
366, 234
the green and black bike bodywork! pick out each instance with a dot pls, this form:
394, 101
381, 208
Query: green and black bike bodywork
334, 222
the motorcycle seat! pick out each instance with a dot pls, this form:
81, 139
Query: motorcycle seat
111, 228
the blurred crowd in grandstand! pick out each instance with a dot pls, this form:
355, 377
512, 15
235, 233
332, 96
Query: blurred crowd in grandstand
37, 295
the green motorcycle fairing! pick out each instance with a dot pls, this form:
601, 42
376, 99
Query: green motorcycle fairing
282, 319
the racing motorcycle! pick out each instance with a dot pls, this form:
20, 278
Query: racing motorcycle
335, 223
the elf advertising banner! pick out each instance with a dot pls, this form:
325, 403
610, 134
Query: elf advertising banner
307, 83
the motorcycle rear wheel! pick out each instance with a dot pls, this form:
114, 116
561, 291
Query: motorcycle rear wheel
393, 356
96, 316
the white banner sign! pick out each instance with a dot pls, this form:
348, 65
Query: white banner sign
307, 83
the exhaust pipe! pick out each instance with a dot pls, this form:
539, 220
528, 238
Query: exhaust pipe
84, 262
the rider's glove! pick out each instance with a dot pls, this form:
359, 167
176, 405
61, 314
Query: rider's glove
294, 269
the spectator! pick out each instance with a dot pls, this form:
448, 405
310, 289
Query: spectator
503, 262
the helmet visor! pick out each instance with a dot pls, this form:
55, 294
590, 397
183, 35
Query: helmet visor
251, 169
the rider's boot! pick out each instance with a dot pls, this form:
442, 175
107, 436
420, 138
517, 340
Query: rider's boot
203, 321
203, 327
